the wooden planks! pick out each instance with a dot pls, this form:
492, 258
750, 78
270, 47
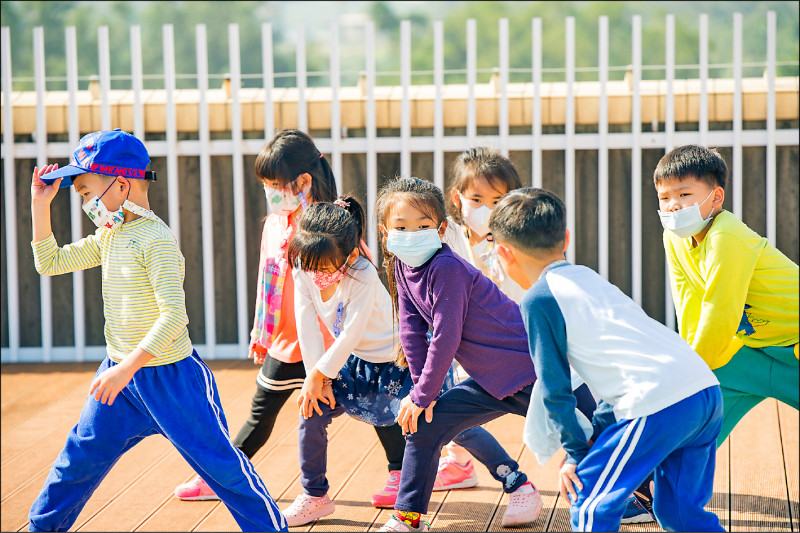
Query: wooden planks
755, 485
788, 419
758, 479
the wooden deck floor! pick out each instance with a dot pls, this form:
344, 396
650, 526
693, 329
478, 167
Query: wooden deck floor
756, 482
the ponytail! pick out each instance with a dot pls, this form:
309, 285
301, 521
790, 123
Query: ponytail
327, 234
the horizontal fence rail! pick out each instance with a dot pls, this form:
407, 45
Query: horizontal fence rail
595, 143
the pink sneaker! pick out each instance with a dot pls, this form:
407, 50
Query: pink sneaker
386, 497
524, 505
305, 509
452, 475
194, 490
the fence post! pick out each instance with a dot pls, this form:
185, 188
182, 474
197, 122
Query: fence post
300, 67
41, 160
10, 201
669, 129
636, 164
336, 110
269, 80
536, 106
569, 134
206, 206
772, 227
76, 213
503, 116
471, 76
405, 103
438, 103
737, 116
372, 156
602, 151
238, 189
173, 192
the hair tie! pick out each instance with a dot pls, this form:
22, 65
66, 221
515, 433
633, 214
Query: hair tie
341, 203
320, 156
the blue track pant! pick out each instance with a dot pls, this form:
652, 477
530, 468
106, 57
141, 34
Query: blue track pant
678, 443
181, 402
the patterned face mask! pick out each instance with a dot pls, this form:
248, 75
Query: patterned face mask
284, 201
101, 215
323, 280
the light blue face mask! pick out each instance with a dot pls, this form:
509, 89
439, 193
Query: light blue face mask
686, 222
413, 248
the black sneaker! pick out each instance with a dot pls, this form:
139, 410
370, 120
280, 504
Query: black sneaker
644, 494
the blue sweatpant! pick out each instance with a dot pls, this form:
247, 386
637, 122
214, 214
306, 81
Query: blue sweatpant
177, 400
678, 443
464, 406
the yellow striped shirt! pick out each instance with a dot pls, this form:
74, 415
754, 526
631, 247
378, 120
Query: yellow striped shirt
143, 299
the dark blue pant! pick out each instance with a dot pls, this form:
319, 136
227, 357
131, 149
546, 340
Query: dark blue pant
678, 442
180, 401
313, 444
464, 406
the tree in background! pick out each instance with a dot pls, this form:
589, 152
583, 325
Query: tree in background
22, 17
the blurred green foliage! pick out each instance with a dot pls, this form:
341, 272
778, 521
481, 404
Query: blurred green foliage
22, 16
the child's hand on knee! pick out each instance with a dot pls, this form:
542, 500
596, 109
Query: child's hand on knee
567, 482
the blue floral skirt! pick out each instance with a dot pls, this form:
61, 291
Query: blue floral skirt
371, 392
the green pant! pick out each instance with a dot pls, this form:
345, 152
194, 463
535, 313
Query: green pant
753, 375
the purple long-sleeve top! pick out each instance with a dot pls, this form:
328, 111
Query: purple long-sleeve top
472, 321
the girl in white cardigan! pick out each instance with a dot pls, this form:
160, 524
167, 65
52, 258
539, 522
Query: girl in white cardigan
336, 284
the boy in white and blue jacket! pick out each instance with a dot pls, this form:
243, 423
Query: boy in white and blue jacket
666, 402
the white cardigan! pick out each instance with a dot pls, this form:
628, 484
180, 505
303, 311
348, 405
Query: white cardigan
367, 329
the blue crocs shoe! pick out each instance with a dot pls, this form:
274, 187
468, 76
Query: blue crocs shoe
635, 513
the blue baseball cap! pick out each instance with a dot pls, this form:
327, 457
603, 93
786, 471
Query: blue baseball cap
110, 153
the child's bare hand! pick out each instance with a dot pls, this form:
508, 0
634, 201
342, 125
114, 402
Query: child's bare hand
257, 357
109, 383
567, 482
41, 192
313, 392
409, 414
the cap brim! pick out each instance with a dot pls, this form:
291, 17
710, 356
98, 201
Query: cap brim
65, 172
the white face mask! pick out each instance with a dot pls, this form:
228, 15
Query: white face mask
477, 218
284, 201
686, 222
413, 248
100, 214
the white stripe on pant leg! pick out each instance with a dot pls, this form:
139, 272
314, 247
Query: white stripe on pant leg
617, 471
247, 466
249, 474
604, 473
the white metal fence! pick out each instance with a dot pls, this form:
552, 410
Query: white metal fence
371, 145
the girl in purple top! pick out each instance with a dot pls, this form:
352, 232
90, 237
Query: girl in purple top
469, 320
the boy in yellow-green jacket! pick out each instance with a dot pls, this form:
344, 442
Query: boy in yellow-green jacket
735, 294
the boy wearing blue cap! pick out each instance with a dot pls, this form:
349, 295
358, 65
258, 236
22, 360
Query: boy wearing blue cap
151, 376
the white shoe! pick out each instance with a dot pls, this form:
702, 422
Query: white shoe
393, 524
524, 506
305, 509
